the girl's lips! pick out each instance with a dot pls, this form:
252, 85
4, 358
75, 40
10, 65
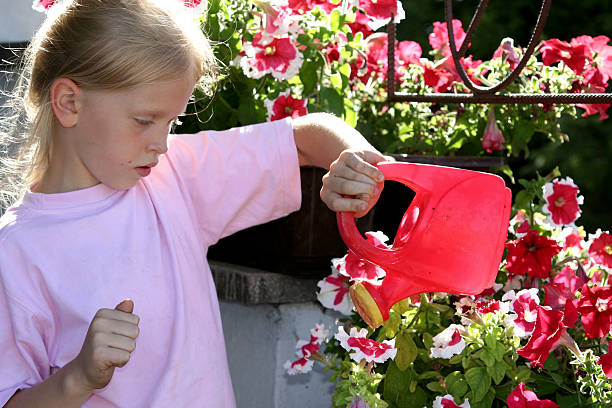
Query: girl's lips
143, 171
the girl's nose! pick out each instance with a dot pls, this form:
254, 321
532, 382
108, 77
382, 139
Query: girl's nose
160, 145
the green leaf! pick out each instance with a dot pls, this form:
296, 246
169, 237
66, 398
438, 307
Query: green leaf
332, 100
497, 371
456, 385
428, 374
394, 389
308, 76
335, 20
436, 387
500, 350
487, 357
520, 137
479, 381
522, 199
406, 350
485, 402
490, 340
522, 374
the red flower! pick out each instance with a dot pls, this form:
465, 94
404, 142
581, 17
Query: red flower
492, 137
573, 240
379, 9
286, 106
599, 51
605, 362
531, 254
600, 249
574, 56
278, 57
562, 201
303, 6
522, 398
360, 25
487, 306
550, 326
438, 39
439, 79
595, 306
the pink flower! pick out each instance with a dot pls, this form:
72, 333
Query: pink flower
334, 293
562, 202
562, 287
574, 56
192, 3
448, 342
605, 361
42, 5
600, 248
550, 327
278, 57
358, 402
522, 310
522, 398
531, 254
359, 270
303, 6
409, 52
595, 306
492, 137
448, 401
299, 366
507, 53
365, 349
438, 39
285, 106
573, 240
305, 350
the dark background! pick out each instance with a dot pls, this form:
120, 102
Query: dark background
586, 158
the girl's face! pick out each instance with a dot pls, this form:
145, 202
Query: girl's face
120, 134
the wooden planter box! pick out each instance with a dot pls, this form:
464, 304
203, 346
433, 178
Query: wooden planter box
304, 242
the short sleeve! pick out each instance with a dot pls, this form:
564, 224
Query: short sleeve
238, 178
24, 358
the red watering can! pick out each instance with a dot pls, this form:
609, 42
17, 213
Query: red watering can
451, 238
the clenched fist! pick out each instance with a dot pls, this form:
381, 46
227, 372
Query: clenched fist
109, 342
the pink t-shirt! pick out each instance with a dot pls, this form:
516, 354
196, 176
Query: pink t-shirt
64, 256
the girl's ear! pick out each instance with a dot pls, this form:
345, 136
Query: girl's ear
65, 95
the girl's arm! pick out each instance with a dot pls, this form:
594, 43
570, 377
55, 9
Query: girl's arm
109, 342
353, 182
62, 389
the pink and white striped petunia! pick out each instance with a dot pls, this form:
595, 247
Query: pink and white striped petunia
562, 202
360, 270
448, 401
285, 106
448, 342
363, 348
600, 249
522, 310
42, 5
334, 293
277, 56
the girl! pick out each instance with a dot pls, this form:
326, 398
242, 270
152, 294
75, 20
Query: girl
110, 210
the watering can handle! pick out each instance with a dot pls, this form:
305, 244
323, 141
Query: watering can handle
351, 235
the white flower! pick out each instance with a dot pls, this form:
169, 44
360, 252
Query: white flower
448, 343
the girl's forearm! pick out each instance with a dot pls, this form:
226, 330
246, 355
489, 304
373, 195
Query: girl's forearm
62, 389
321, 137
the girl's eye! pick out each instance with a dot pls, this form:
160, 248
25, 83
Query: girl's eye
143, 122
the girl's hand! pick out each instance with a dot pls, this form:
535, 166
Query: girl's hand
353, 182
109, 342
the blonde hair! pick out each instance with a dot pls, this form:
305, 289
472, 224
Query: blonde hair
99, 44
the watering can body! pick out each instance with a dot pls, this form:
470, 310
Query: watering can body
451, 237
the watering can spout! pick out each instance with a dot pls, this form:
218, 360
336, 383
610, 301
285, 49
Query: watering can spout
450, 239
